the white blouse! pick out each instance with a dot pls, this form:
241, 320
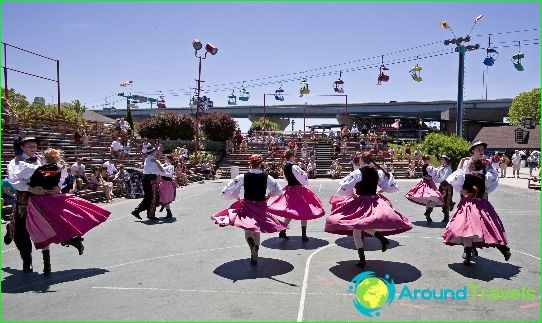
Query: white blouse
150, 166
299, 174
169, 170
439, 175
233, 188
347, 184
457, 179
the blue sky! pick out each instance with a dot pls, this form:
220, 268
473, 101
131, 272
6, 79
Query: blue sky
101, 44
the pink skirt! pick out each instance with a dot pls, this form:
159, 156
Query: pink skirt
60, 217
297, 202
168, 191
249, 215
475, 218
365, 212
425, 191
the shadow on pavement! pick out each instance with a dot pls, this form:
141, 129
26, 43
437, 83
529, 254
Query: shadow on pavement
242, 269
294, 243
398, 271
20, 282
369, 243
486, 270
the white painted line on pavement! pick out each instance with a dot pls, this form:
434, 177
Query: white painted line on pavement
8, 250
190, 290
305, 282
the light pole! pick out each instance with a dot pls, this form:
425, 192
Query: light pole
209, 48
461, 49
293, 122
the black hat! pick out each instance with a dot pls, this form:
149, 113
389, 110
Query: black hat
445, 157
28, 139
476, 144
150, 149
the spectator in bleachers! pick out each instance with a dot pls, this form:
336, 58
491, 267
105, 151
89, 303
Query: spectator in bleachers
85, 139
304, 153
356, 160
159, 148
335, 170
98, 183
364, 130
345, 133
336, 150
127, 149
244, 146
110, 167
122, 182
78, 171
311, 168
229, 147
344, 147
407, 152
355, 132
185, 153
302, 165
69, 182
291, 144
136, 188
238, 138
331, 136
412, 169
384, 137
181, 174
299, 136
77, 135
116, 148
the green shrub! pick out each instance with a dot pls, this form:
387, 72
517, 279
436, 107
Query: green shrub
437, 144
167, 126
217, 126
265, 125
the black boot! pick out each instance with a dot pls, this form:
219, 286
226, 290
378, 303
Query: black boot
505, 250
468, 254
77, 242
27, 264
46, 262
304, 233
136, 214
7, 238
446, 212
162, 208
253, 250
169, 214
282, 235
385, 242
428, 214
361, 263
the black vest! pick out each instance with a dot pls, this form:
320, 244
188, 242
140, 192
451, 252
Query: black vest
424, 170
46, 176
255, 186
290, 177
475, 180
369, 181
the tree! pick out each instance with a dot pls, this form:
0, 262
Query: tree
265, 125
167, 126
526, 104
217, 126
438, 144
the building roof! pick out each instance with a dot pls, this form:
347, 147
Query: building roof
95, 117
505, 137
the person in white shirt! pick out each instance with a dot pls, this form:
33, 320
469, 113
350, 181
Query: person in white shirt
110, 164
20, 170
78, 170
516, 164
167, 186
360, 209
311, 167
355, 132
439, 176
298, 202
152, 168
116, 148
251, 213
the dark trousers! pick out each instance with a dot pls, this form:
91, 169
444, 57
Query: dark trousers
150, 196
447, 192
18, 226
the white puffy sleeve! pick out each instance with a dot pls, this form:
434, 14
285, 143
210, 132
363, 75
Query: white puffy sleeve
439, 175
233, 188
457, 179
387, 185
274, 188
20, 173
347, 184
492, 179
63, 175
169, 171
300, 175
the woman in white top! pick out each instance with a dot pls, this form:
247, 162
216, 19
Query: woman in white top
361, 210
298, 202
167, 186
251, 213
152, 168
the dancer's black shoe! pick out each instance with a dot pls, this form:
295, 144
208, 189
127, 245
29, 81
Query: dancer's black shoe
282, 235
361, 263
304, 233
383, 240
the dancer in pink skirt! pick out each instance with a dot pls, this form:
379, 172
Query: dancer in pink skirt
475, 224
58, 218
298, 202
426, 192
362, 210
439, 176
250, 213
167, 187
